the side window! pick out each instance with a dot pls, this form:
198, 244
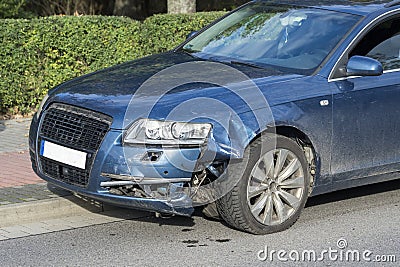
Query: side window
383, 44
388, 53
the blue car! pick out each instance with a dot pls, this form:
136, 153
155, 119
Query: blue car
246, 119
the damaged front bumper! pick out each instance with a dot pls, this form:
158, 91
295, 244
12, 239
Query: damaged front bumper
162, 195
126, 176
177, 203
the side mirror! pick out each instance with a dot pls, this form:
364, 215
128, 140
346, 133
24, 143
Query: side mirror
363, 66
191, 34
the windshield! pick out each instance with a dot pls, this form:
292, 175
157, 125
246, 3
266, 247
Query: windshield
291, 39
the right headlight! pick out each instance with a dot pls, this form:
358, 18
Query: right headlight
155, 132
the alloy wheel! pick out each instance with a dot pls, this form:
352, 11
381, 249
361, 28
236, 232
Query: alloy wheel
276, 187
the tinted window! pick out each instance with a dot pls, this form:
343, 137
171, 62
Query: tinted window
383, 44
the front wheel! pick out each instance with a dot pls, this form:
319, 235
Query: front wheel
273, 190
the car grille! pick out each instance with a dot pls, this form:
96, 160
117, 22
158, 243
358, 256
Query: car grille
69, 175
75, 128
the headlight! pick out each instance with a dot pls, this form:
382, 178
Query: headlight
146, 131
41, 106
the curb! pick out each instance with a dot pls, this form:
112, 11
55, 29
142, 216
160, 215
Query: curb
47, 209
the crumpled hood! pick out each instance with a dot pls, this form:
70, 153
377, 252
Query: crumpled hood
110, 91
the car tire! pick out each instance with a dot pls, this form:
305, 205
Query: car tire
273, 189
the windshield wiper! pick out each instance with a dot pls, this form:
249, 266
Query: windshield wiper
234, 62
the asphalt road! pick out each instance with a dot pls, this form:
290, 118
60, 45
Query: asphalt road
365, 221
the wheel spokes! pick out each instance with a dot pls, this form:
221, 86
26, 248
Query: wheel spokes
254, 191
275, 187
259, 205
268, 160
280, 161
279, 207
259, 175
297, 182
290, 199
290, 169
268, 211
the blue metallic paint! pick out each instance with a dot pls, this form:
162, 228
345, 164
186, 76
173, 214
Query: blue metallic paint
346, 134
363, 66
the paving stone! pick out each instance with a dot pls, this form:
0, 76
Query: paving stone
35, 228
14, 135
18, 187
26, 193
13, 232
77, 221
15, 200
19, 184
41, 197
3, 232
57, 225
30, 199
58, 228
16, 171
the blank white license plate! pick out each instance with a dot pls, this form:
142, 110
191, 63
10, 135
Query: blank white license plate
63, 154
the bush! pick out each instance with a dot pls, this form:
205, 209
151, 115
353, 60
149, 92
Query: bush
38, 54
13, 9
163, 32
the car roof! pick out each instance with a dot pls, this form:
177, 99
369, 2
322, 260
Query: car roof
356, 7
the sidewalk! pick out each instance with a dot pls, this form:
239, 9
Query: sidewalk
29, 206
18, 182
24, 197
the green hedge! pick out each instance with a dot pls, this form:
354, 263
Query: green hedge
38, 54
163, 32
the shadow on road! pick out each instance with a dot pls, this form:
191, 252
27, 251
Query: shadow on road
121, 213
171, 221
2, 126
354, 193
149, 217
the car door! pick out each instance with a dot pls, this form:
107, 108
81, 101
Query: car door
366, 110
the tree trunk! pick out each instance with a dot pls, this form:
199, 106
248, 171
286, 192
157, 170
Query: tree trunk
181, 6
